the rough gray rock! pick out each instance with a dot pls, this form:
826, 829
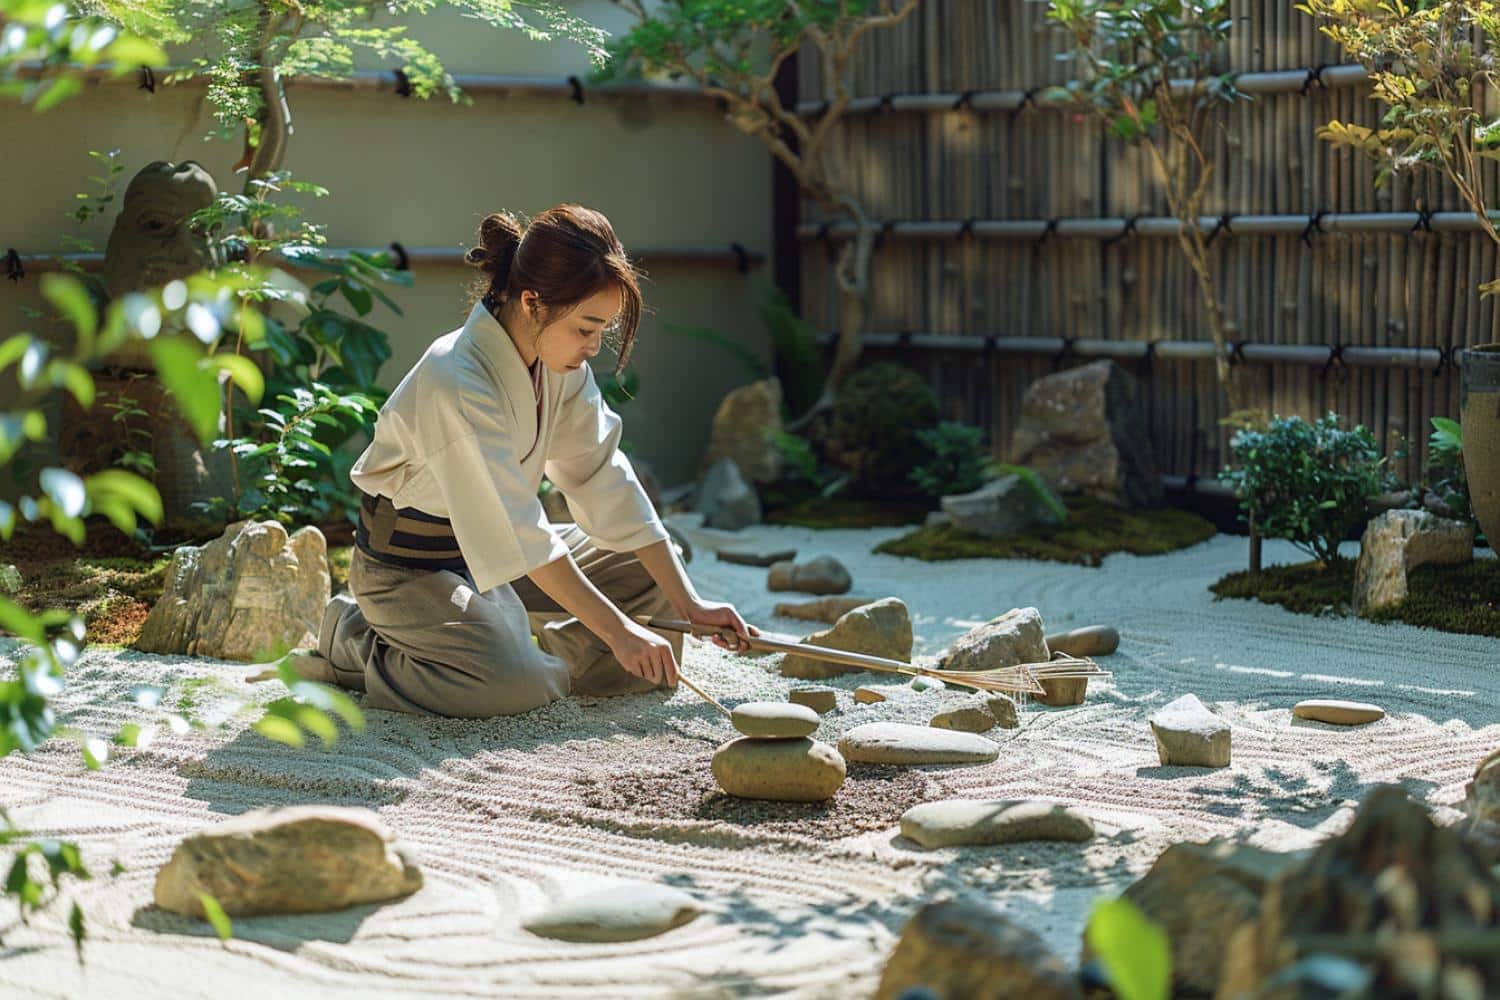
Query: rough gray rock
1188, 734
1084, 430
968, 950
1397, 542
296, 859
821, 575
882, 628
1008, 640
1004, 506
726, 500
250, 594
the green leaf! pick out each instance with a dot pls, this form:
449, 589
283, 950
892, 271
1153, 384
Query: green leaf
57, 90
357, 295
129, 52
129, 488
179, 362
243, 373
1133, 950
76, 929
12, 349
78, 381
215, 915
67, 293
273, 727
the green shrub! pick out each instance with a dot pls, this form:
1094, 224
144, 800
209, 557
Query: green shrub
1307, 483
1444, 474
955, 459
874, 436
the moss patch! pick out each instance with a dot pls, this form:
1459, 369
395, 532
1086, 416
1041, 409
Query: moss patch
111, 582
845, 512
1463, 598
338, 565
1093, 531
1305, 588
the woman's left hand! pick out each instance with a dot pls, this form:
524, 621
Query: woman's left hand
719, 613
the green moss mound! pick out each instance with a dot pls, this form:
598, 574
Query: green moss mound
1306, 588
1464, 599
1093, 531
846, 512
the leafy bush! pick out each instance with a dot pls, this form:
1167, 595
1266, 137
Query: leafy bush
795, 342
876, 419
1307, 483
956, 459
1444, 474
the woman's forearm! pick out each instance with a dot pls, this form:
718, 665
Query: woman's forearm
660, 560
564, 582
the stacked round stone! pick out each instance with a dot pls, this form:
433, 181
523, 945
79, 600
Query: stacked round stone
777, 758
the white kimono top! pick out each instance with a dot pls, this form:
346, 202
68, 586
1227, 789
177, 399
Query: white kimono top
460, 438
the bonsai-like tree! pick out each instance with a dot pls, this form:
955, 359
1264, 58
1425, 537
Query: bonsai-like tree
261, 42
1151, 81
715, 42
1425, 67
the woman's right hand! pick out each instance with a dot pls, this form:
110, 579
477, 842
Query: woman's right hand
644, 653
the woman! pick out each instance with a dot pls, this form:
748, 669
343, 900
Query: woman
455, 560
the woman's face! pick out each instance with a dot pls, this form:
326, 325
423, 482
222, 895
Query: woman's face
569, 341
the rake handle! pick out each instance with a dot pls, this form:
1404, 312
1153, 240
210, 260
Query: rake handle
784, 645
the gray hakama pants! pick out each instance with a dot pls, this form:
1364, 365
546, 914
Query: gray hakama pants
423, 641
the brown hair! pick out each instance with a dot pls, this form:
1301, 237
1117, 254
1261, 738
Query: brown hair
564, 255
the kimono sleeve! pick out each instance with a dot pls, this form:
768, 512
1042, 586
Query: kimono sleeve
501, 527
586, 463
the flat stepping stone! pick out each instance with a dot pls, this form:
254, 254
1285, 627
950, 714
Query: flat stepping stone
625, 913
1091, 640
868, 696
755, 558
800, 770
968, 822
900, 743
820, 700
1340, 713
1188, 734
774, 719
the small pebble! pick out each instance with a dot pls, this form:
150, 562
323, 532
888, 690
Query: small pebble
1340, 713
818, 699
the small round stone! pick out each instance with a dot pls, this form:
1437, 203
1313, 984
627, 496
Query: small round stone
967, 719
800, 770
818, 699
774, 720
1340, 713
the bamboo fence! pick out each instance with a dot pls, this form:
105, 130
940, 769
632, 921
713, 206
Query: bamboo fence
1016, 230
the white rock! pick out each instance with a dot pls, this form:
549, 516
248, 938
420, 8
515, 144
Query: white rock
623, 913
1339, 713
1188, 734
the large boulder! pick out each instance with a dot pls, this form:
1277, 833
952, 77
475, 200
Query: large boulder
881, 628
1201, 894
726, 500
743, 429
1397, 542
1414, 901
1084, 430
296, 859
249, 594
1005, 506
968, 950
1008, 640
